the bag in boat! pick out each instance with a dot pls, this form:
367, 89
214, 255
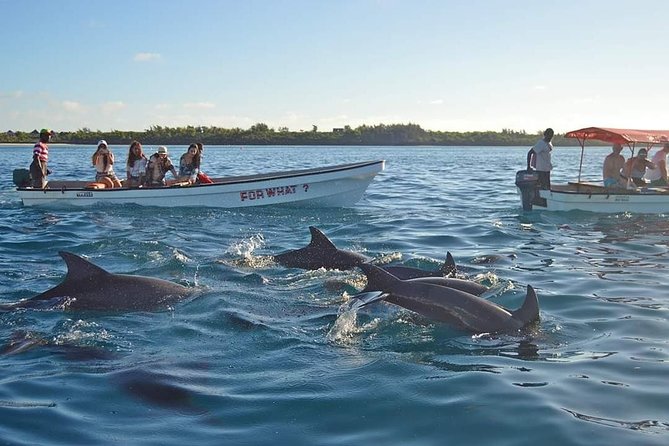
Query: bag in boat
203, 178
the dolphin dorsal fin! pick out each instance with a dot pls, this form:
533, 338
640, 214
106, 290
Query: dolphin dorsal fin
448, 268
319, 239
529, 311
79, 268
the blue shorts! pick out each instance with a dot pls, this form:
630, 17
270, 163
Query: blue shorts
610, 182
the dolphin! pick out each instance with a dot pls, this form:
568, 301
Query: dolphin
462, 310
157, 388
23, 341
89, 287
447, 269
467, 286
320, 253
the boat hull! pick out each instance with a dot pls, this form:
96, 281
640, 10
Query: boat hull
333, 186
644, 201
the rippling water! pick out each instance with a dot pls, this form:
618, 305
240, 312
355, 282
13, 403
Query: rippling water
268, 355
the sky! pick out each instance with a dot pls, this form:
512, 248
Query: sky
448, 65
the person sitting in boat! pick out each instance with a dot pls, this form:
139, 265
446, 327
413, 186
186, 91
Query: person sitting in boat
658, 175
103, 161
635, 168
135, 167
158, 166
189, 165
613, 165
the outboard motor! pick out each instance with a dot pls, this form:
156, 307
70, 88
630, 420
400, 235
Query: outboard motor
21, 177
527, 181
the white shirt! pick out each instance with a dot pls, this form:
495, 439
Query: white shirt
138, 169
542, 150
656, 174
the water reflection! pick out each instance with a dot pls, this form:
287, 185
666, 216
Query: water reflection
652, 425
626, 227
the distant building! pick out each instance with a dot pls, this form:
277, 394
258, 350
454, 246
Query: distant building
338, 130
34, 133
10, 133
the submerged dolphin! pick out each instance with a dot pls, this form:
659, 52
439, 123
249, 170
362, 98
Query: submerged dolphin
23, 341
89, 287
467, 286
407, 272
462, 310
157, 388
320, 253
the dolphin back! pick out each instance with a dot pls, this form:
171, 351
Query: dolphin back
319, 253
89, 287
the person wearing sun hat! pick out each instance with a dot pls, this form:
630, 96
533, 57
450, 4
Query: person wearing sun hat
38, 167
159, 165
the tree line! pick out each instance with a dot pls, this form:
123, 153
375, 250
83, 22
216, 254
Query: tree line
262, 134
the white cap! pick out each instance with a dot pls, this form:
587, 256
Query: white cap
162, 149
102, 142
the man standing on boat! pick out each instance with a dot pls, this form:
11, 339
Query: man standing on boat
38, 169
542, 158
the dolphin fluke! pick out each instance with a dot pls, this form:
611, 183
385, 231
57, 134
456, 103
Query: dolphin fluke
529, 311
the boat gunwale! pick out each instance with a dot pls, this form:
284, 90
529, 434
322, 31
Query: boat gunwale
574, 188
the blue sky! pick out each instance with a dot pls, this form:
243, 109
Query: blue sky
443, 64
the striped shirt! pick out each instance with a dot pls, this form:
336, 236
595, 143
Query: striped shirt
42, 151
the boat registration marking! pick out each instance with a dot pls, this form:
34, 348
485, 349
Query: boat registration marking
84, 194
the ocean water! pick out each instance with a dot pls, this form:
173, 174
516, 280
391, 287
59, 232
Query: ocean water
269, 355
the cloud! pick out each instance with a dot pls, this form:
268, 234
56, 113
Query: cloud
113, 106
146, 57
437, 102
200, 105
17, 94
72, 106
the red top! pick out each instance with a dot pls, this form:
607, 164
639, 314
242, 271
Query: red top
620, 136
42, 151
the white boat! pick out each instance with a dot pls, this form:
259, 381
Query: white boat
593, 196
332, 186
